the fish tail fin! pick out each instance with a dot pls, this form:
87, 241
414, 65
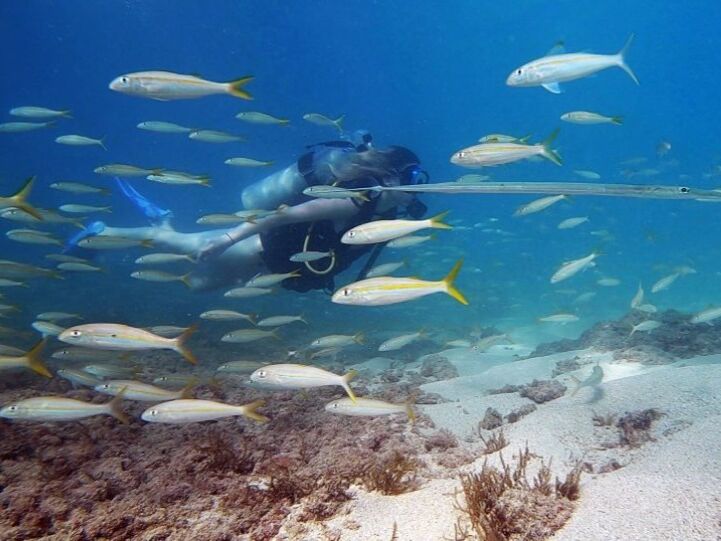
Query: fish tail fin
205, 182
20, 197
618, 120
147, 243
359, 338
35, 362
66, 113
339, 122
448, 283
250, 411
437, 221
274, 334
344, 382
157, 170
180, 344
253, 318
525, 139
548, 152
302, 319
236, 88
101, 142
105, 191
186, 280
114, 407
363, 197
187, 391
410, 411
621, 58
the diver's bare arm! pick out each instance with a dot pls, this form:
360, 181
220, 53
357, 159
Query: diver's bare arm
317, 209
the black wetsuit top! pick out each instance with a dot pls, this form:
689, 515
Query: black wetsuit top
282, 242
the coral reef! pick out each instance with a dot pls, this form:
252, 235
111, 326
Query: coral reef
394, 473
501, 504
495, 442
208, 481
677, 338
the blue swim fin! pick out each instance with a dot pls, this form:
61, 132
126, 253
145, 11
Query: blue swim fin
147, 207
90, 230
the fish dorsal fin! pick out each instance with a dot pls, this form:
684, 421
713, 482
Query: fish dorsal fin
558, 48
554, 88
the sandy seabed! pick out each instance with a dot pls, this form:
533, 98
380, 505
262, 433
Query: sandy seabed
305, 475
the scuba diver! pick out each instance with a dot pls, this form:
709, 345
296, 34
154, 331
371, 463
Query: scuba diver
294, 222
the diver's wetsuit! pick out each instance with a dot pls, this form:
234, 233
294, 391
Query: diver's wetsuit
282, 242
227, 256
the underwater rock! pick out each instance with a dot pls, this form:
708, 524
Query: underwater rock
492, 419
645, 354
516, 414
565, 365
438, 367
506, 389
677, 337
541, 391
441, 440
214, 481
635, 427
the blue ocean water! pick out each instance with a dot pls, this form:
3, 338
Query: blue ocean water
429, 77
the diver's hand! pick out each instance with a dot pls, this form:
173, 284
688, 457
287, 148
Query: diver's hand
214, 247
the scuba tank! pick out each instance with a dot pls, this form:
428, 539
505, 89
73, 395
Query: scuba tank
283, 187
318, 166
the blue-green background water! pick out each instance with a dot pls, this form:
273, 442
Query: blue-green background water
429, 76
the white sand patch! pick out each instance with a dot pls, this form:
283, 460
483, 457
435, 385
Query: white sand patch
669, 488
423, 515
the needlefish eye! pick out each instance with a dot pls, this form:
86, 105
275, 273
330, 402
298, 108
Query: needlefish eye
684, 189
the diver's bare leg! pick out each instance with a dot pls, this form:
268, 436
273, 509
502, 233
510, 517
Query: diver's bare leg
337, 210
165, 238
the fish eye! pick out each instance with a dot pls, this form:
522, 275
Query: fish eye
519, 71
75, 333
124, 80
261, 374
346, 292
684, 189
13, 408
335, 406
106, 386
351, 233
153, 412
461, 154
